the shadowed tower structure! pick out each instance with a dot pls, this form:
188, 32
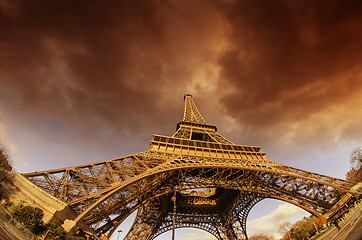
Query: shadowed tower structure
195, 178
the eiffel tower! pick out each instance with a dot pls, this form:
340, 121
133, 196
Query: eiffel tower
196, 178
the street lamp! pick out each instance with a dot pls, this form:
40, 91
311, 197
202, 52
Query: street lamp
174, 213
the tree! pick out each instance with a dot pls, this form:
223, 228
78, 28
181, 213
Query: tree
56, 230
30, 217
355, 174
4, 163
299, 234
356, 158
284, 229
261, 237
302, 229
319, 222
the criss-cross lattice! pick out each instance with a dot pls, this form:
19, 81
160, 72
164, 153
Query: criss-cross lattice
216, 183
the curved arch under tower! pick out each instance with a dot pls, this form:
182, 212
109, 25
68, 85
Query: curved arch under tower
215, 183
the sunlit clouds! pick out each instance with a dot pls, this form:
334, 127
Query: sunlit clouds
8, 144
272, 67
269, 224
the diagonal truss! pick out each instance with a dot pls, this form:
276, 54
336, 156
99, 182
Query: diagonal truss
217, 184
191, 113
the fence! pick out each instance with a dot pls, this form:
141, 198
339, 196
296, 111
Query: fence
14, 227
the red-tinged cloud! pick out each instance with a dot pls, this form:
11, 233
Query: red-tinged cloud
294, 67
117, 64
267, 72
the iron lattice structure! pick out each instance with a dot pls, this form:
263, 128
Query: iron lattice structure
216, 184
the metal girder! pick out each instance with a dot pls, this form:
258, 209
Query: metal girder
221, 224
95, 194
196, 157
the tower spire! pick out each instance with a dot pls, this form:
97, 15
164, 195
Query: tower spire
194, 127
98, 197
191, 113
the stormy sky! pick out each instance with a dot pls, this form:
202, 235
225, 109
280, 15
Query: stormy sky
85, 81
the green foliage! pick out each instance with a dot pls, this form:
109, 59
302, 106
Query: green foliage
302, 229
29, 217
307, 227
4, 200
56, 230
77, 238
7, 204
299, 234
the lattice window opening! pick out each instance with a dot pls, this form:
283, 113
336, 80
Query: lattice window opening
102, 208
114, 203
199, 191
97, 179
50, 187
104, 221
95, 218
201, 136
117, 222
195, 223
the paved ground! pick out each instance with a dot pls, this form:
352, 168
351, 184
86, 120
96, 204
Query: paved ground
351, 227
10, 229
356, 234
5, 233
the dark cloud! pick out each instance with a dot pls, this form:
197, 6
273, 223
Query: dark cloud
119, 68
100, 64
289, 65
280, 48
